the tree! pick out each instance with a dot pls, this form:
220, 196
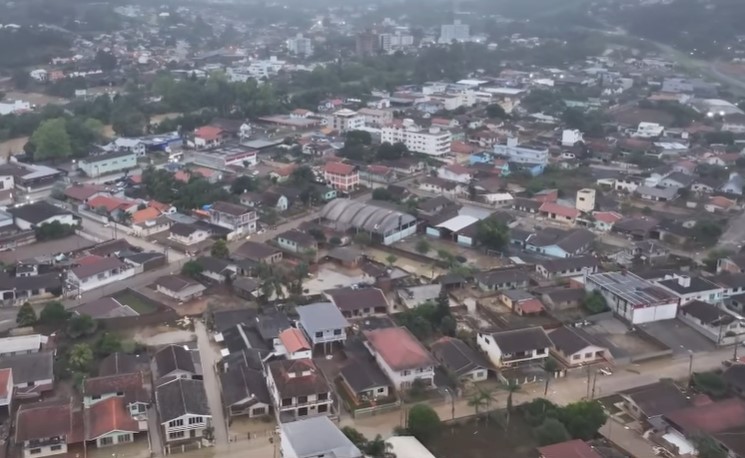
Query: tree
51, 140
594, 302
106, 60
220, 249
107, 344
422, 247
302, 175
80, 326
551, 431
382, 194
496, 111
357, 438
582, 419
391, 259
477, 400
708, 448
80, 357
26, 315
550, 366
378, 448
53, 231
242, 184
707, 232
537, 410
192, 269
362, 238
492, 234
125, 217
710, 383
53, 313
423, 422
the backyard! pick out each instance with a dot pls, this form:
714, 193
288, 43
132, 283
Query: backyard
480, 440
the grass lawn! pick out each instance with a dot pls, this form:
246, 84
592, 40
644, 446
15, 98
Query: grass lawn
479, 440
139, 304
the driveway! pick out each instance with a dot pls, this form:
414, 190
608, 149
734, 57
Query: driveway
210, 356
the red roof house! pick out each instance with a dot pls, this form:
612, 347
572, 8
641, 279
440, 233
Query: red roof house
401, 356
295, 342
559, 212
575, 448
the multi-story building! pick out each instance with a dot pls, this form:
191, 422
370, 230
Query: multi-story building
457, 31
300, 45
366, 43
298, 389
515, 347
585, 200
393, 41
432, 142
401, 356
345, 120
237, 218
632, 297
323, 323
374, 117
522, 154
46, 429
314, 438
183, 410
106, 164
341, 176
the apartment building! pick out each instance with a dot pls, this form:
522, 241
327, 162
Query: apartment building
432, 142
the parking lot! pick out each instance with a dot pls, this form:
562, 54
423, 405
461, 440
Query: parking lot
622, 342
679, 336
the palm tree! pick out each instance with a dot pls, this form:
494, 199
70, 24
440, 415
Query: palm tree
476, 401
379, 448
511, 386
549, 367
488, 397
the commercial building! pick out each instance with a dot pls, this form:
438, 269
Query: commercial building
224, 156
456, 31
341, 176
106, 164
632, 297
300, 45
522, 154
383, 224
432, 141
346, 120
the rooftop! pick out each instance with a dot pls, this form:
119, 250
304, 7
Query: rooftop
398, 348
631, 288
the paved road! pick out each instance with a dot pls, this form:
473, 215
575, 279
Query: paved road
209, 356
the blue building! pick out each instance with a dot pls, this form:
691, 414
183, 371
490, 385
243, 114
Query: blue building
533, 157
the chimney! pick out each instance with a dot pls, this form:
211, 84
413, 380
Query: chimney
684, 281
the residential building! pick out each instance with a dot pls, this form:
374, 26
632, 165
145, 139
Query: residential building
522, 154
47, 429
33, 215
207, 137
256, 252
179, 287
432, 141
183, 411
573, 348
298, 389
560, 243
717, 324
109, 422
401, 356
293, 344
585, 200
363, 378
237, 218
633, 298
515, 347
95, 271
244, 391
346, 120
33, 373
521, 302
362, 302
559, 213
22, 345
300, 45
313, 438
217, 270
132, 388
174, 361
461, 360
687, 289
648, 403
721, 420
323, 323
341, 176
457, 31
656, 194
107, 164
551, 269
733, 263
572, 448
376, 118
456, 172
509, 278
649, 130
6, 390
187, 234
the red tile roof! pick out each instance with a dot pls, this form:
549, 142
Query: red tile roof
339, 168
560, 210
145, 214
459, 169
110, 203
5, 375
41, 421
293, 340
108, 416
462, 148
712, 418
399, 348
82, 192
721, 201
208, 132
531, 306
575, 448
607, 217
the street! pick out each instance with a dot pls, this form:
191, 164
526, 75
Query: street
209, 357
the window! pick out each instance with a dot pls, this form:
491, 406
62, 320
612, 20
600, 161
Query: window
96, 397
287, 401
106, 441
337, 332
540, 351
381, 390
588, 355
121, 438
34, 451
405, 373
55, 448
258, 411
176, 435
323, 408
319, 335
302, 399
174, 423
195, 420
575, 357
323, 396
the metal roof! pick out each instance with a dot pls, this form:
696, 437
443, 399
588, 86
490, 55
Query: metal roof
363, 216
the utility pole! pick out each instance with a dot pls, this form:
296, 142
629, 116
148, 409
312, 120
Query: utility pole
588, 381
734, 352
690, 366
594, 381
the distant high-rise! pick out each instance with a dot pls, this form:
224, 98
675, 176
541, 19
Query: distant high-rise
300, 45
367, 43
454, 32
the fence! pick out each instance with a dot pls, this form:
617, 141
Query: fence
375, 410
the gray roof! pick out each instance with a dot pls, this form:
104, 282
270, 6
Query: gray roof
363, 374
173, 358
31, 367
364, 216
37, 212
568, 341
318, 436
458, 357
660, 193
321, 316
103, 308
243, 384
181, 397
658, 398
518, 340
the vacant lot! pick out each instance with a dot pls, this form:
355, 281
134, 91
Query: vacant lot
479, 440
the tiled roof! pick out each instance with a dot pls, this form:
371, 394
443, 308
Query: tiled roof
208, 132
575, 448
294, 340
339, 168
556, 209
107, 416
399, 348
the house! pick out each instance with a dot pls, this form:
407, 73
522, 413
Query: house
633, 298
560, 243
257, 252
573, 348
719, 204
460, 359
526, 205
575, 448
723, 421
414, 296
183, 411
441, 187
15, 290
298, 389
515, 347
656, 194
132, 388
6, 390
362, 378
236, 218
244, 391
47, 429
297, 242
187, 234
313, 438
173, 361
567, 267
323, 323
179, 287
152, 226
31, 216
107, 164
216, 269
361, 302
122, 363
95, 271
80, 193
509, 278
341, 176
401, 356
560, 213
560, 298
109, 422
716, 323
678, 180
206, 137
734, 185
274, 199
293, 344
455, 172
733, 263
649, 403
521, 302
687, 289
604, 221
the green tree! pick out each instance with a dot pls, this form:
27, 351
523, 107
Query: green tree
708, 447
355, 436
53, 231
382, 194
192, 269
80, 357
582, 419
242, 184
492, 234
105, 60
302, 175
477, 401
220, 249
107, 344
80, 326
710, 383
26, 315
53, 313
51, 140
707, 232
378, 448
537, 410
422, 247
550, 366
594, 302
391, 259
423, 422
551, 431
496, 111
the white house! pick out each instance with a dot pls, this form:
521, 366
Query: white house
182, 410
573, 350
721, 326
187, 234
649, 130
179, 287
570, 137
633, 298
96, 271
687, 289
21, 345
455, 172
323, 323
293, 345
6, 389
401, 356
515, 347
45, 429
34, 215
